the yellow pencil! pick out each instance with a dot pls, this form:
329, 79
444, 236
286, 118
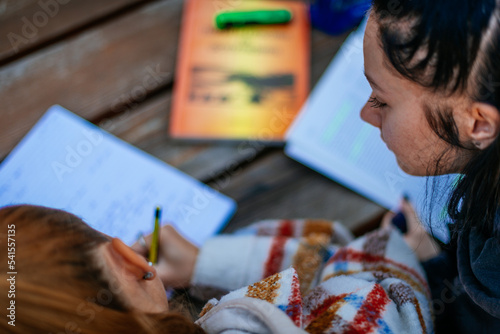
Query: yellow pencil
155, 241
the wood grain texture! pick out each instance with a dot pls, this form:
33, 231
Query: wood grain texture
279, 187
103, 70
30, 23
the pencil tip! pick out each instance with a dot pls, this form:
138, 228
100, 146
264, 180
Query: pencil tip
157, 212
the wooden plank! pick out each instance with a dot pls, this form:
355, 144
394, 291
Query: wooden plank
147, 128
279, 187
30, 23
103, 70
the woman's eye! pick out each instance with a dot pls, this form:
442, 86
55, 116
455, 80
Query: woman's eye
376, 103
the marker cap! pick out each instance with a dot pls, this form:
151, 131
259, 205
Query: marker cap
230, 19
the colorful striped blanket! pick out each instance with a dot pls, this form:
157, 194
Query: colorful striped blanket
313, 278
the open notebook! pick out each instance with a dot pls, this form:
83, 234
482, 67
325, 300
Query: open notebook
330, 137
68, 163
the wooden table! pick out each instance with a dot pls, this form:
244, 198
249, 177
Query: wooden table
112, 62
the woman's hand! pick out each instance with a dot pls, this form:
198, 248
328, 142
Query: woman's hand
176, 260
416, 236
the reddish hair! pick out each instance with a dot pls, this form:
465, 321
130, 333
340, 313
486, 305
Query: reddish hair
58, 287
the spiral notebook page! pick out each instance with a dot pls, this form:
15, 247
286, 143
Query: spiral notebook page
67, 163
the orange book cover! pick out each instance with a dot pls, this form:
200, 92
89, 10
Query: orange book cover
239, 83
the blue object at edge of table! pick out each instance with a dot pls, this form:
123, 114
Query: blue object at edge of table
337, 16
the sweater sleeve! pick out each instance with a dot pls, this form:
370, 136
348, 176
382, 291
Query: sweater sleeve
228, 262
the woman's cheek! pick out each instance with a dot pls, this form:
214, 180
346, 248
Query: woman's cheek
398, 144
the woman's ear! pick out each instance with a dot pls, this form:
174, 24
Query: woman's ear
127, 259
484, 125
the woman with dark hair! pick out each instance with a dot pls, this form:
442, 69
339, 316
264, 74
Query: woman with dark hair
434, 67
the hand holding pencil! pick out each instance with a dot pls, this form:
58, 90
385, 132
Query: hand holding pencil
176, 256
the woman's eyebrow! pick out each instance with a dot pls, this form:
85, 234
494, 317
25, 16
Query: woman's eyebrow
372, 83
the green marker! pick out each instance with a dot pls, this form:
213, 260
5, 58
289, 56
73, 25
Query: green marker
231, 19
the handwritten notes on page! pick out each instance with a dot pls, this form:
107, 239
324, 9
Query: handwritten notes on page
67, 163
330, 137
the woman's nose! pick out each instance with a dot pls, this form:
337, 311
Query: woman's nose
371, 115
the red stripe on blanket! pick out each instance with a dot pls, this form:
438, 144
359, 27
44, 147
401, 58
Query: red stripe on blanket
285, 228
295, 300
371, 310
348, 254
325, 305
275, 257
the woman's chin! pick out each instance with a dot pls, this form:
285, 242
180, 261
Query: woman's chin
422, 170
412, 170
